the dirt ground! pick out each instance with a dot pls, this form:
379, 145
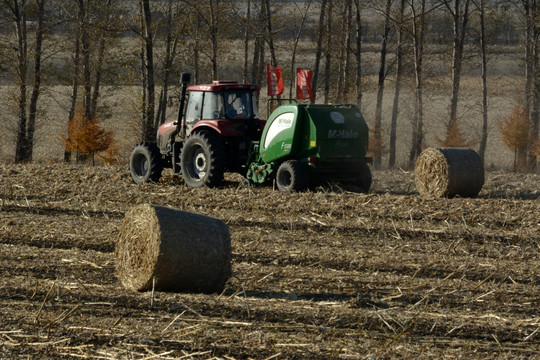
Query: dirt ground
327, 274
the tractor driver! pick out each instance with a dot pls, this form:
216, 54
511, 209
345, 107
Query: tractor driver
237, 105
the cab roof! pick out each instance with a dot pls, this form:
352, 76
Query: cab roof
219, 85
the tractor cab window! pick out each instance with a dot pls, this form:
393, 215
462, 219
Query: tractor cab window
213, 106
239, 105
193, 109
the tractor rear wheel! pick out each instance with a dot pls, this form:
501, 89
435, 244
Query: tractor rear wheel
292, 175
363, 178
203, 160
145, 163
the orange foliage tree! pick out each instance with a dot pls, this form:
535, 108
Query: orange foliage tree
376, 143
515, 132
454, 137
87, 137
536, 148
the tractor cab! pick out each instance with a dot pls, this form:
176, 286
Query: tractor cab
230, 103
224, 107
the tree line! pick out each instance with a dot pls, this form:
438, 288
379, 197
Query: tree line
89, 44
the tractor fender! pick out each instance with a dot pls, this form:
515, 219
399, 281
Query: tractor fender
222, 127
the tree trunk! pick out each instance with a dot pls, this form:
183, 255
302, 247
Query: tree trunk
214, 26
148, 128
377, 130
29, 141
483, 48
75, 86
19, 16
418, 32
341, 60
257, 70
84, 8
170, 52
295, 46
399, 76
532, 81
246, 43
347, 69
318, 51
461, 19
99, 66
328, 53
270, 34
358, 54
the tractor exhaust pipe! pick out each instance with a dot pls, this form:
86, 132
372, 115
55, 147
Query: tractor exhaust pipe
185, 78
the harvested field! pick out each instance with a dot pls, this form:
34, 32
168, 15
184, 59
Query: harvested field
329, 274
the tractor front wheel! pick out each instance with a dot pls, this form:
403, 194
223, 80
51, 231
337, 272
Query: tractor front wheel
145, 163
203, 160
292, 175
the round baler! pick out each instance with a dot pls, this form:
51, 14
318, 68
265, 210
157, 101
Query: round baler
304, 144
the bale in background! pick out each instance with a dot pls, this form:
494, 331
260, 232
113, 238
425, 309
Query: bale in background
449, 172
182, 251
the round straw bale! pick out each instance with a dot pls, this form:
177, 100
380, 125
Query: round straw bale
449, 172
172, 250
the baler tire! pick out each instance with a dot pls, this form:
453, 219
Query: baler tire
292, 175
202, 160
145, 164
363, 179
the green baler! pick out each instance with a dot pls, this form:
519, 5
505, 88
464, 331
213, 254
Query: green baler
303, 145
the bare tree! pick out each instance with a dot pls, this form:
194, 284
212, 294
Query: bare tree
399, 75
257, 68
483, 48
358, 52
328, 53
18, 10
247, 32
459, 10
171, 44
318, 51
270, 33
344, 50
303, 16
419, 13
526, 159
377, 129
148, 130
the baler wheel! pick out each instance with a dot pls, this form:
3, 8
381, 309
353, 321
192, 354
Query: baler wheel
203, 160
292, 175
145, 163
363, 179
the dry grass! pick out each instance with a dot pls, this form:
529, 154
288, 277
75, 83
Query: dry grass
317, 275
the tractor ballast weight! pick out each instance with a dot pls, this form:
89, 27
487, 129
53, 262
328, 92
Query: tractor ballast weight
303, 145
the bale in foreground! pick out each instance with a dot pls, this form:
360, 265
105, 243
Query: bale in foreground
449, 172
182, 251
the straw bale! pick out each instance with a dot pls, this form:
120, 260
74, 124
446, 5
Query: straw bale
449, 172
180, 251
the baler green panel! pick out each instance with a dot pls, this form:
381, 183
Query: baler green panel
336, 134
342, 133
282, 128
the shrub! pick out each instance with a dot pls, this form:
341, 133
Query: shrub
87, 137
515, 132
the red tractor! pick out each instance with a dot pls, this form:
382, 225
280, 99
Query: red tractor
210, 138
